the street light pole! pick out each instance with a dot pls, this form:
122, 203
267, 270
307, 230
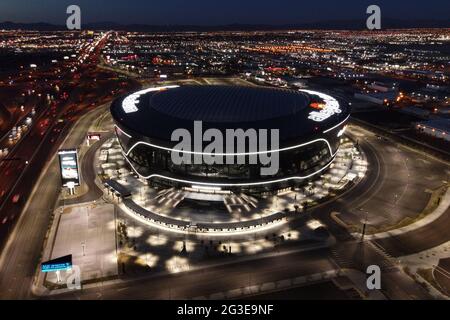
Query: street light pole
364, 225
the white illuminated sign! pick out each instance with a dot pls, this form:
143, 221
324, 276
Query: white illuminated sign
130, 103
68, 162
331, 107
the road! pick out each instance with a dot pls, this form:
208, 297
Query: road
22, 252
429, 236
212, 280
221, 278
376, 193
89, 173
28, 158
396, 186
401, 190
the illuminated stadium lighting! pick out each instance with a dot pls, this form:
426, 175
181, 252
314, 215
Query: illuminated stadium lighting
232, 184
235, 154
131, 102
305, 149
206, 188
252, 230
330, 107
338, 125
342, 131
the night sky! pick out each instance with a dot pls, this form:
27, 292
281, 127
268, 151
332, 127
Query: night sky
215, 12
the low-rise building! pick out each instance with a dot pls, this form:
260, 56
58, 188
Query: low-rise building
439, 128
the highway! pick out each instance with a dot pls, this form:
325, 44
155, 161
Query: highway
347, 253
22, 252
393, 188
22, 167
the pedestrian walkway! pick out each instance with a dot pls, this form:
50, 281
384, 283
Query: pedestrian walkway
87, 233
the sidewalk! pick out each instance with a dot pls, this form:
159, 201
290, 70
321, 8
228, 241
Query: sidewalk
359, 280
40, 290
428, 259
440, 210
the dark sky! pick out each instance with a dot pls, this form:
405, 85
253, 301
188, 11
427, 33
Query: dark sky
215, 12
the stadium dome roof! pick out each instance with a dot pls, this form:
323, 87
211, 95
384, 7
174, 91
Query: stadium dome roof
156, 113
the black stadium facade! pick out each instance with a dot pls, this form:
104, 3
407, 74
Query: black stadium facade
310, 126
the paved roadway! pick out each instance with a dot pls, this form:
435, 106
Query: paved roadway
22, 252
399, 183
395, 187
212, 280
40, 142
219, 279
89, 173
401, 191
23, 255
442, 274
426, 237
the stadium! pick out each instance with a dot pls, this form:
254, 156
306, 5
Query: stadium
309, 125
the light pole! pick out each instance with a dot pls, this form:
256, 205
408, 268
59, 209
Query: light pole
363, 233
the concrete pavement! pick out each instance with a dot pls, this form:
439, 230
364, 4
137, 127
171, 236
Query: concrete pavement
24, 248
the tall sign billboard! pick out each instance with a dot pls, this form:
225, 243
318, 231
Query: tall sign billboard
68, 163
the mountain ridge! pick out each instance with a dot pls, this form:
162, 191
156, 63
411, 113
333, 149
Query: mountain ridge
323, 25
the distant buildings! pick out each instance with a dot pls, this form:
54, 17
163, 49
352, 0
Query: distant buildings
378, 92
432, 93
439, 128
380, 98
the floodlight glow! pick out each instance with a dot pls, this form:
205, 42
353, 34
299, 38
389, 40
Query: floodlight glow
130, 103
331, 106
151, 176
342, 131
207, 188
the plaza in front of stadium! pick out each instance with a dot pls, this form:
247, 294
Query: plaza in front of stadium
136, 211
